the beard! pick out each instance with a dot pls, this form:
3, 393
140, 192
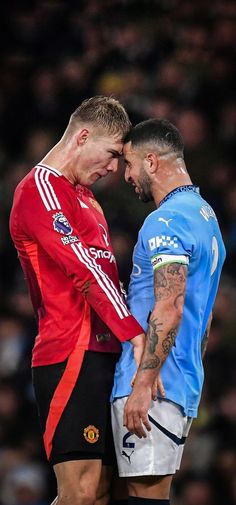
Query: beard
145, 190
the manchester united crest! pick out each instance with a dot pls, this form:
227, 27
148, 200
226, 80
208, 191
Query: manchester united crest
96, 205
91, 434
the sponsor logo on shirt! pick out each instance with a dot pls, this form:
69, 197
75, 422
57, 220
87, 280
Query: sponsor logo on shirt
100, 253
163, 240
166, 221
61, 224
70, 239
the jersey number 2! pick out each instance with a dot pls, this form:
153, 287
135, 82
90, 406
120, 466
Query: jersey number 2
215, 254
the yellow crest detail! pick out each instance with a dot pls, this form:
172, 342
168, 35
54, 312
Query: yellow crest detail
91, 434
96, 205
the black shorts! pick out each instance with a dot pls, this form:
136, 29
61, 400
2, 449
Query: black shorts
84, 430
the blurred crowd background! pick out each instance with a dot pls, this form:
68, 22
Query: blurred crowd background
161, 58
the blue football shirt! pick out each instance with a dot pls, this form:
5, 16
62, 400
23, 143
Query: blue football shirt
183, 229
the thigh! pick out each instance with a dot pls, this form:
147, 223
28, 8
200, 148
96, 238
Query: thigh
158, 454
77, 479
81, 433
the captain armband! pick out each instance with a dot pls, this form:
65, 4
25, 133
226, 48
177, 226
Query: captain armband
158, 260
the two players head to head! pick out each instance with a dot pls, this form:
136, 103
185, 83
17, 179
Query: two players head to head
99, 131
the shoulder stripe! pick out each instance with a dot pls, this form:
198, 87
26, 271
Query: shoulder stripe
103, 280
52, 189
45, 188
53, 170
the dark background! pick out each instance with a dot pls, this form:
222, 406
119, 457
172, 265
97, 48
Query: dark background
169, 58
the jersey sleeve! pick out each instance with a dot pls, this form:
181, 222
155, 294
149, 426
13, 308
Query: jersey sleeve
167, 238
48, 217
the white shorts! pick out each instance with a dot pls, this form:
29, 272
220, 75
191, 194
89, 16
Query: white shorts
158, 454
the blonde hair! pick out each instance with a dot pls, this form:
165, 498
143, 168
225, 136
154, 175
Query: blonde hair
102, 112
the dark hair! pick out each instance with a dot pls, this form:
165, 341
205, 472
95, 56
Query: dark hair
162, 134
102, 112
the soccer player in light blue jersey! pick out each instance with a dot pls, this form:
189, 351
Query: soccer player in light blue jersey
177, 263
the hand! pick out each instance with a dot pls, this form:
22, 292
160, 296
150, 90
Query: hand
157, 386
136, 411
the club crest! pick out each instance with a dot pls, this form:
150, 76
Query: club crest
96, 205
91, 434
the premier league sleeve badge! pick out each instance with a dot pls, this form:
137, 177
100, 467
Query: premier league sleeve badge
61, 224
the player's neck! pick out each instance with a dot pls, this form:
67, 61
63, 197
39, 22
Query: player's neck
58, 158
170, 177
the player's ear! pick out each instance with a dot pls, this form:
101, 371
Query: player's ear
82, 136
152, 163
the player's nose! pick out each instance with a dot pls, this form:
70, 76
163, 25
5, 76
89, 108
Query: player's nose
113, 165
127, 174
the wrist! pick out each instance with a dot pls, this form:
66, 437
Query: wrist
138, 341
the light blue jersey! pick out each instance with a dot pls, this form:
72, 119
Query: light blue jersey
183, 229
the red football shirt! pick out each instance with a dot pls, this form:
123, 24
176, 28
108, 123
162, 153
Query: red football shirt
64, 248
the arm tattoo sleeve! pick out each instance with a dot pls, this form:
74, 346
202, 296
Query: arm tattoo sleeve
169, 341
169, 286
152, 335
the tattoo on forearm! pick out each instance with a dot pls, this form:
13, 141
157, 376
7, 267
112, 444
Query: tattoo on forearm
151, 363
169, 284
152, 335
169, 341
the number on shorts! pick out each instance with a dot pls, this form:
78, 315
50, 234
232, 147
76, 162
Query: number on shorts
129, 445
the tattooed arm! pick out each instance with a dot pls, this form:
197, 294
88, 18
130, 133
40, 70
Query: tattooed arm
169, 287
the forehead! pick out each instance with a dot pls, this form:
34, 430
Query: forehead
112, 142
129, 152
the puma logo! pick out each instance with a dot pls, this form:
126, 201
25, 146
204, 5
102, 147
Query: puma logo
166, 221
128, 456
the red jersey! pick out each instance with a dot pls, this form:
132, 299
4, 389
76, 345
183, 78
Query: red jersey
64, 248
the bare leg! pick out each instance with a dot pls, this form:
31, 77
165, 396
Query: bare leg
77, 482
154, 487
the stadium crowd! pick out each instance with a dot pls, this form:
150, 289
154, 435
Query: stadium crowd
161, 58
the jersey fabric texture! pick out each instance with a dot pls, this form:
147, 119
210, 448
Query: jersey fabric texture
183, 229
64, 248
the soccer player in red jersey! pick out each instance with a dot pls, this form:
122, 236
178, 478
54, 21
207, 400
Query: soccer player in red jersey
63, 244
